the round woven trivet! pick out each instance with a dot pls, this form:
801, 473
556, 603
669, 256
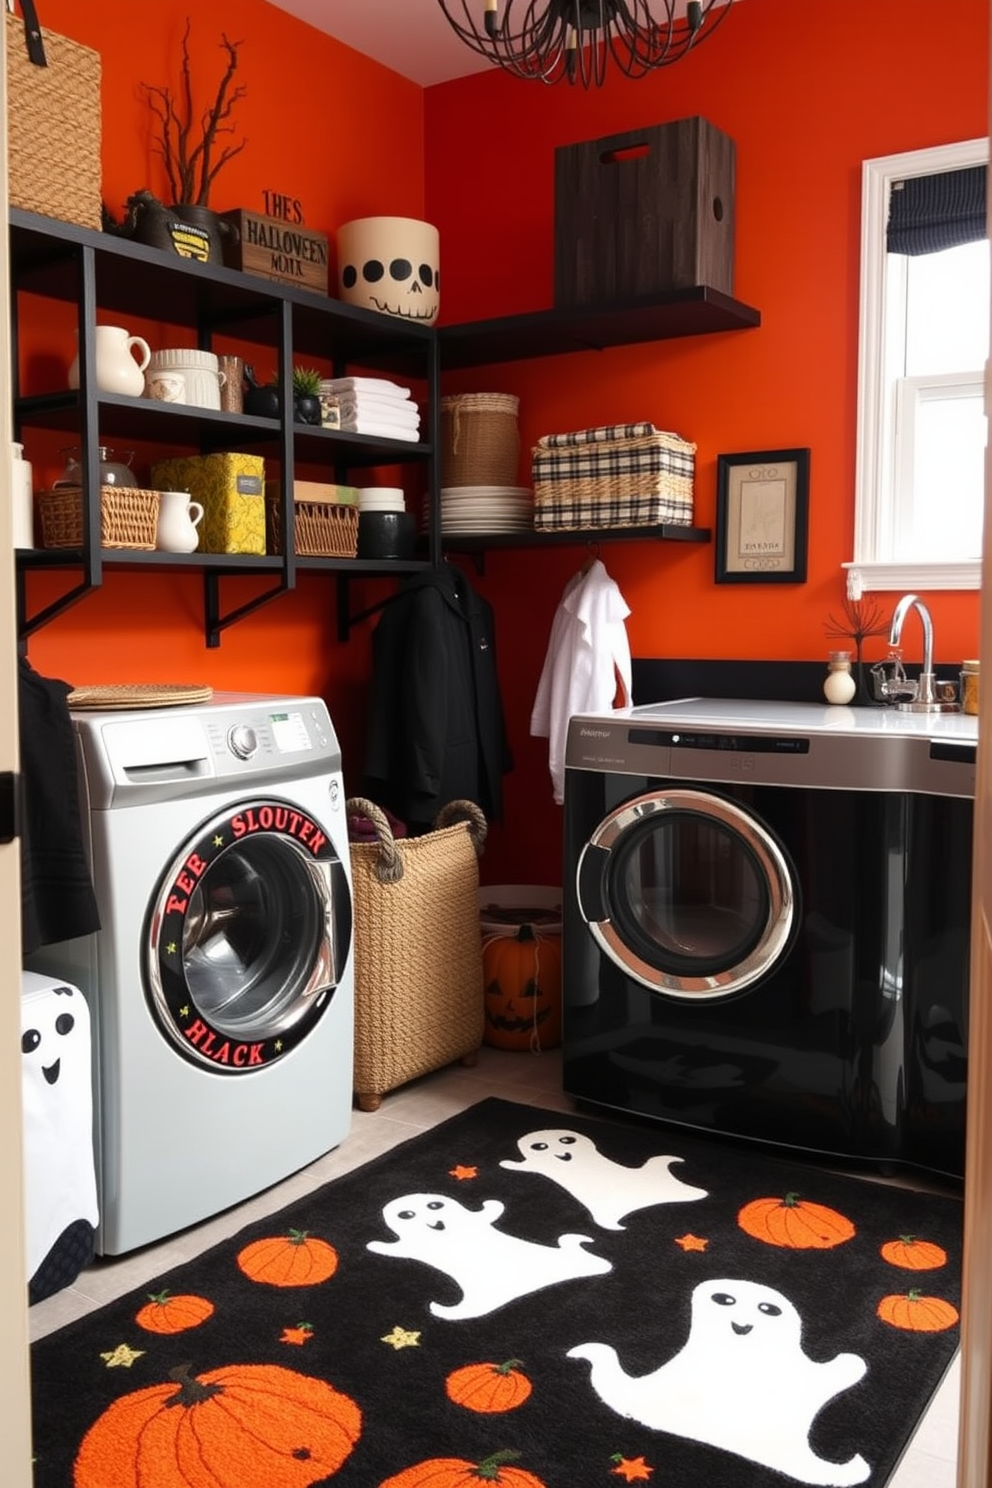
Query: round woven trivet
138, 695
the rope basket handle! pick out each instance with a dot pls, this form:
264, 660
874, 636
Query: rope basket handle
389, 863
456, 811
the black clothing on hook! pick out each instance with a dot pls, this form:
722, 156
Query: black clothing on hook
57, 897
436, 725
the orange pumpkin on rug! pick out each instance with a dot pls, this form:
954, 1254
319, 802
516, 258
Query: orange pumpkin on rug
163, 1313
287, 1430
522, 979
289, 1260
916, 1313
454, 1472
488, 1387
795, 1223
913, 1255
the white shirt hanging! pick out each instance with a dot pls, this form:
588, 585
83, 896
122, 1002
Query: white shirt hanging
587, 662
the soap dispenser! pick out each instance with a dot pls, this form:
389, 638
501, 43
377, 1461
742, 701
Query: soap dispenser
839, 685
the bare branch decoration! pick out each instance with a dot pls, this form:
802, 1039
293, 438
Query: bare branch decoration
191, 169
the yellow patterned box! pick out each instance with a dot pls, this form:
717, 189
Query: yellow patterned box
231, 490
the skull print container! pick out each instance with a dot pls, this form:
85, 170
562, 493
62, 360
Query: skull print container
390, 264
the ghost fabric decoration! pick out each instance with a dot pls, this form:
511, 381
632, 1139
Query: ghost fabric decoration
741, 1382
490, 1266
391, 265
607, 1189
59, 1174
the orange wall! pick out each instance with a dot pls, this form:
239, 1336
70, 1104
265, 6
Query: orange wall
806, 91
343, 135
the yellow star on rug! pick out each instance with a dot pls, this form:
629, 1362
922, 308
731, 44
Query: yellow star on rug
691, 1242
462, 1172
400, 1338
121, 1357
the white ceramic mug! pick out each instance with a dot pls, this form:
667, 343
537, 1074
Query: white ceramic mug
165, 387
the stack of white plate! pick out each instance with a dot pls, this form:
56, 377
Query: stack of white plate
381, 498
487, 509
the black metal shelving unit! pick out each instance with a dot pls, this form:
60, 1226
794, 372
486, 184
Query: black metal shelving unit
102, 274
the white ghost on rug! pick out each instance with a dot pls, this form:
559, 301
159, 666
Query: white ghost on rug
741, 1382
491, 1267
608, 1190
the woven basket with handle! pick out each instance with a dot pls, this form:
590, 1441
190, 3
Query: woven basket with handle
53, 122
418, 950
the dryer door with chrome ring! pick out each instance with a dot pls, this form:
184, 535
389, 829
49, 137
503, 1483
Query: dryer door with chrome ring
247, 936
688, 893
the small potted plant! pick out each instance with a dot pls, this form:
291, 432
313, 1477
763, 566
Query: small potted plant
306, 395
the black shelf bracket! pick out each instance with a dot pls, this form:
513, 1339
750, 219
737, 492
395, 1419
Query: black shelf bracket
28, 624
215, 621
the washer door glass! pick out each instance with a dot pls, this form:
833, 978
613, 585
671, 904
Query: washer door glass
248, 936
688, 893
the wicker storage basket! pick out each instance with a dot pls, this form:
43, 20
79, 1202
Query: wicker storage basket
128, 517
321, 529
628, 475
418, 952
480, 441
53, 123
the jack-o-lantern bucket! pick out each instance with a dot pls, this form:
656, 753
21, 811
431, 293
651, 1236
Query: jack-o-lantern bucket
391, 264
521, 965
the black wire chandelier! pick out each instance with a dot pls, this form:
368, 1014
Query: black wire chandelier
574, 40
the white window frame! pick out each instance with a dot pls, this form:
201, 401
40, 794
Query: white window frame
882, 282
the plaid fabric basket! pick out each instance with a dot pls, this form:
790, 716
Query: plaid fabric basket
624, 475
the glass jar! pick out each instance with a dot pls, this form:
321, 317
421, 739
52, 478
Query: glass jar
839, 685
969, 686
112, 472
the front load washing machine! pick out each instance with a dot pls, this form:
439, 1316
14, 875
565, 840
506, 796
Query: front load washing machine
766, 918
220, 984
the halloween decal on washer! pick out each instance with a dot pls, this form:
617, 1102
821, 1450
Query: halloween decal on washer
247, 936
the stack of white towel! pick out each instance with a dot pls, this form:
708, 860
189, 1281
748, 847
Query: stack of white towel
372, 405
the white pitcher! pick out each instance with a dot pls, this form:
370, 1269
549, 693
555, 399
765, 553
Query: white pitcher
178, 519
116, 369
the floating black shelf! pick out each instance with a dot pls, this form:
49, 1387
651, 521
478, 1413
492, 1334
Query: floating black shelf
475, 542
698, 311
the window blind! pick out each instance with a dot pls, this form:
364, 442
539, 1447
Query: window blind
930, 213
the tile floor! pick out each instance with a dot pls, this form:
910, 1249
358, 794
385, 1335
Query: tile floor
930, 1461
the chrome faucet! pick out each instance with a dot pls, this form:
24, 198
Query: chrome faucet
923, 698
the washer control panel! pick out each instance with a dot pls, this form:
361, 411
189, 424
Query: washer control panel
267, 735
242, 741
146, 755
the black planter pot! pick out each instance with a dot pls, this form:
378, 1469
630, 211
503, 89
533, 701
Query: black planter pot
190, 231
306, 408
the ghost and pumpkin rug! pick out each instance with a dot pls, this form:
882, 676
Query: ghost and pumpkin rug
525, 1299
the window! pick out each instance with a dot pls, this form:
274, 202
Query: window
924, 343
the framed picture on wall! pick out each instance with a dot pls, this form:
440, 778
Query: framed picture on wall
762, 508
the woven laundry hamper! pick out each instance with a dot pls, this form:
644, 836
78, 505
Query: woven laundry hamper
480, 440
418, 953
